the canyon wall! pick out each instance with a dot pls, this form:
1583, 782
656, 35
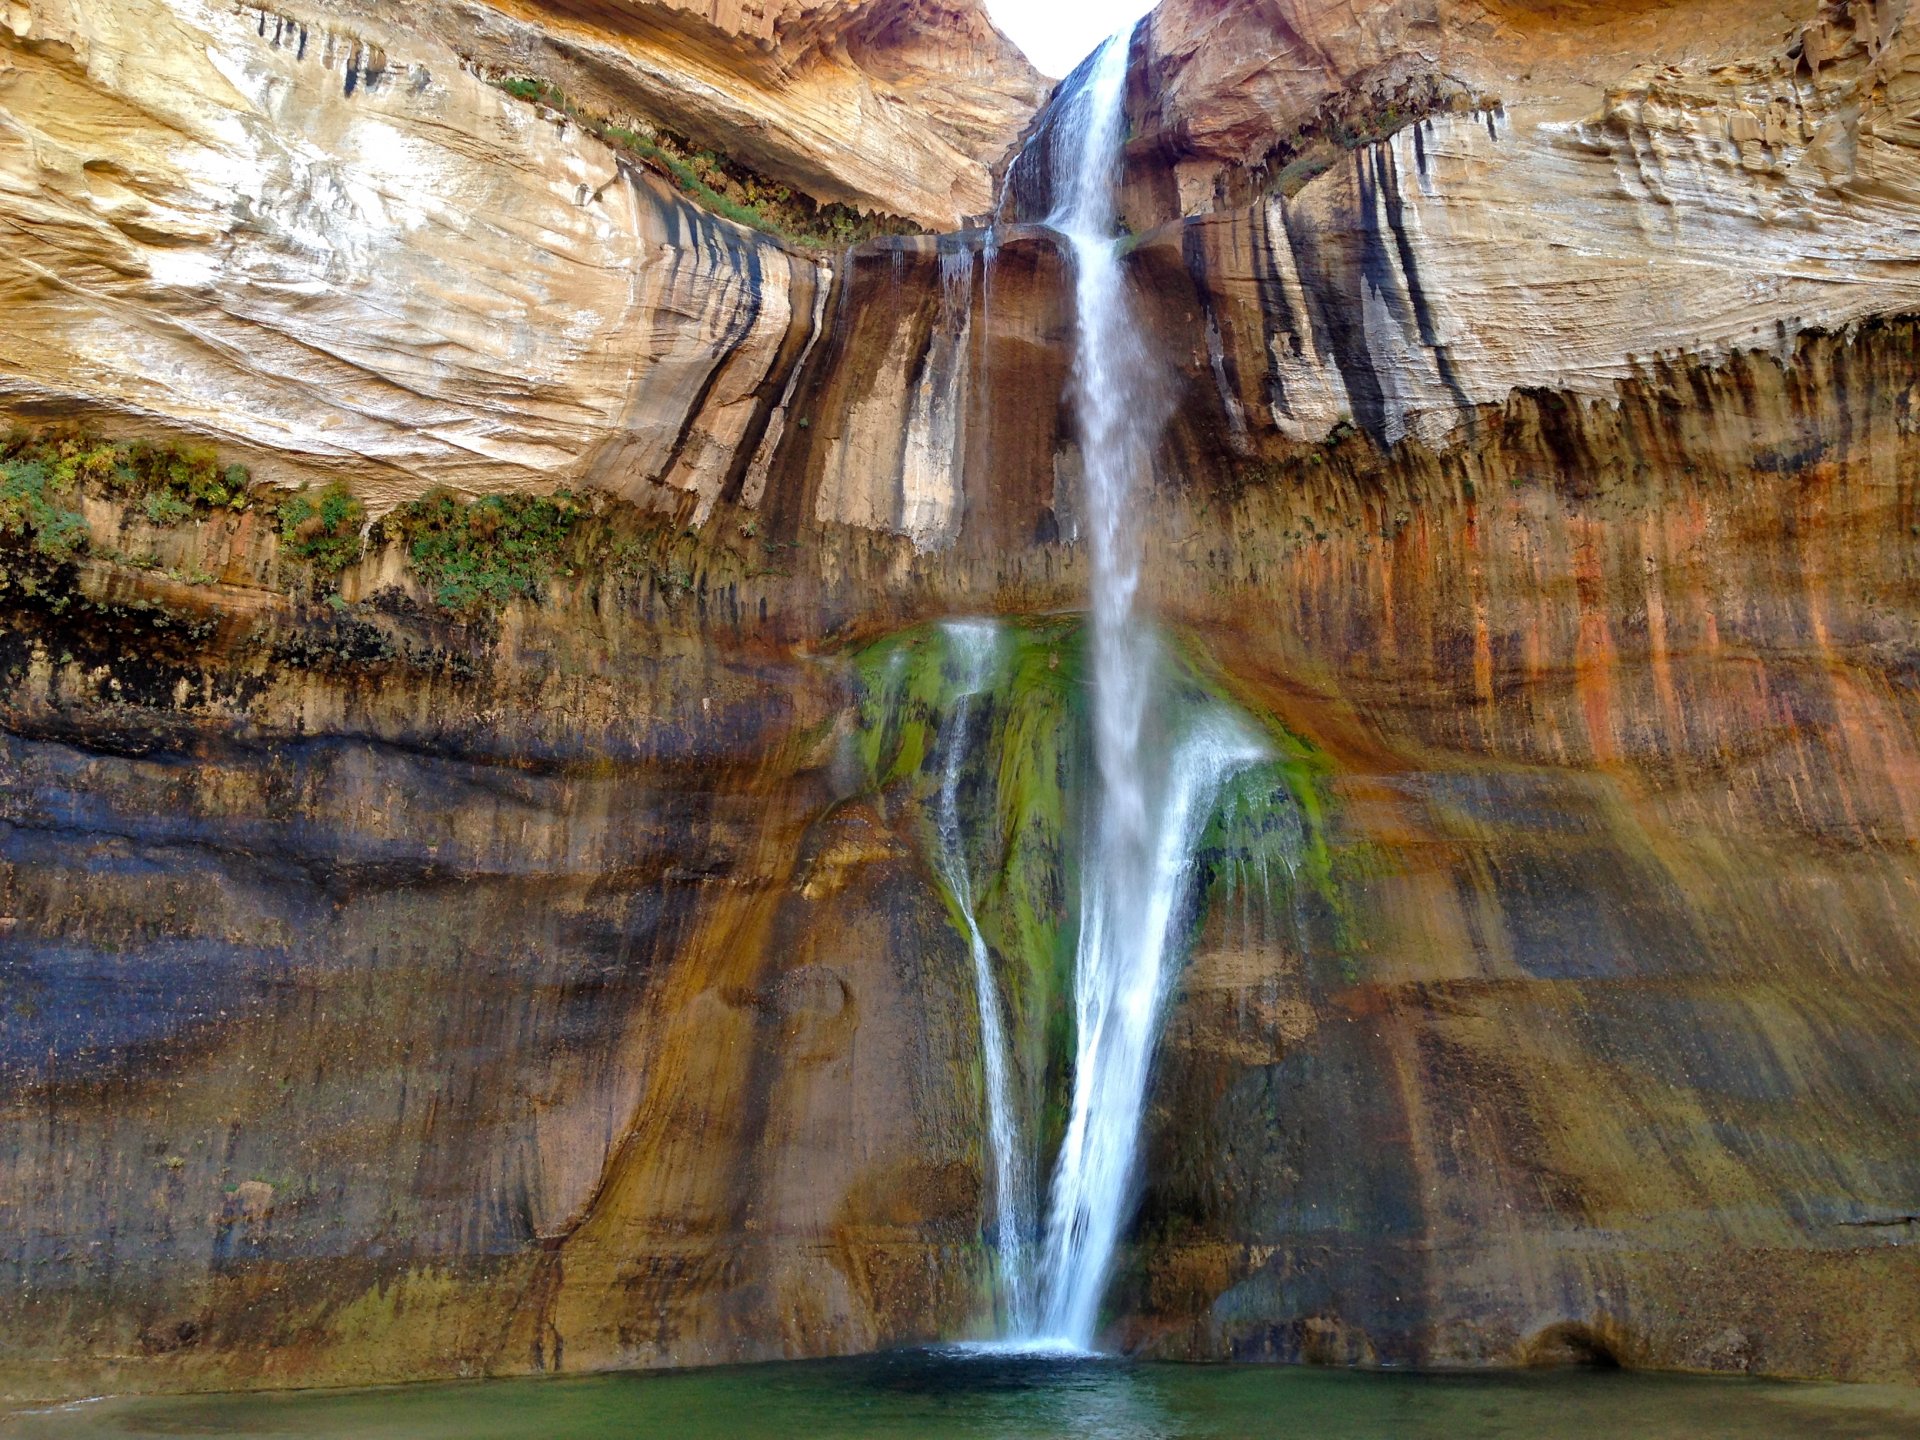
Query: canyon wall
393, 991
325, 241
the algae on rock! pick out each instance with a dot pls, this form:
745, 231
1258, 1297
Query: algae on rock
1014, 789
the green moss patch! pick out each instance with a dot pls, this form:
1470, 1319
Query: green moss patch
1020, 771
168, 483
1021, 776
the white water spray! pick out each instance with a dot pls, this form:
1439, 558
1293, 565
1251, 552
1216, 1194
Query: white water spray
972, 646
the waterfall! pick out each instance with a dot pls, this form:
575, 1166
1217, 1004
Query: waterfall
1131, 920
1156, 781
972, 645
1161, 753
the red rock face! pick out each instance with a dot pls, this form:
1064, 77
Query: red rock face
594, 1020
1624, 722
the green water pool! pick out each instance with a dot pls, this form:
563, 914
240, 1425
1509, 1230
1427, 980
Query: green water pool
928, 1395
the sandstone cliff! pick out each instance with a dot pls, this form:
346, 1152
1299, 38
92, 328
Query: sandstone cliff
896, 105
326, 241
1405, 213
400, 988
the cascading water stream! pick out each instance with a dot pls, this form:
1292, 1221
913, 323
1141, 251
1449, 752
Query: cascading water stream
1158, 770
972, 645
1155, 783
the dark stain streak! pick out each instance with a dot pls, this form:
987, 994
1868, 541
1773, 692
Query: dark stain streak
917, 368
1337, 295
669, 213
1410, 271
1278, 324
1193, 252
682, 222
788, 504
727, 250
774, 385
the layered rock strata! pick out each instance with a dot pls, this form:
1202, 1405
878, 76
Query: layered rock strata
327, 243
1444, 211
1584, 1037
901, 106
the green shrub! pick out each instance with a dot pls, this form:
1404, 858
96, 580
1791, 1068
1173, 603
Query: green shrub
163, 507
476, 556
537, 92
171, 483
31, 512
192, 475
323, 529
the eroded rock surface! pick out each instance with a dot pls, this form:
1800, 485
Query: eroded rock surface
1408, 211
394, 993
325, 241
896, 105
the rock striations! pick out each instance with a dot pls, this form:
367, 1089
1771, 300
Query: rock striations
323, 240
444, 938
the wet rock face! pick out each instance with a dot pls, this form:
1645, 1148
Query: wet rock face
349, 1015
389, 995
1612, 988
933, 407
584, 1004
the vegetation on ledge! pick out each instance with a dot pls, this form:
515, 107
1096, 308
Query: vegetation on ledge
323, 529
169, 483
718, 182
474, 556
33, 513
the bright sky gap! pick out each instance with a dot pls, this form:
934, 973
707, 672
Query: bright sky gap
1058, 34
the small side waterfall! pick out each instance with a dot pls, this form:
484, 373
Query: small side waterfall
972, 646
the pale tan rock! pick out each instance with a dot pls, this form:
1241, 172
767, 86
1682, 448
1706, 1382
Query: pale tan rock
1742, 184
345, 255
900, 106
337, 253
323, 240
